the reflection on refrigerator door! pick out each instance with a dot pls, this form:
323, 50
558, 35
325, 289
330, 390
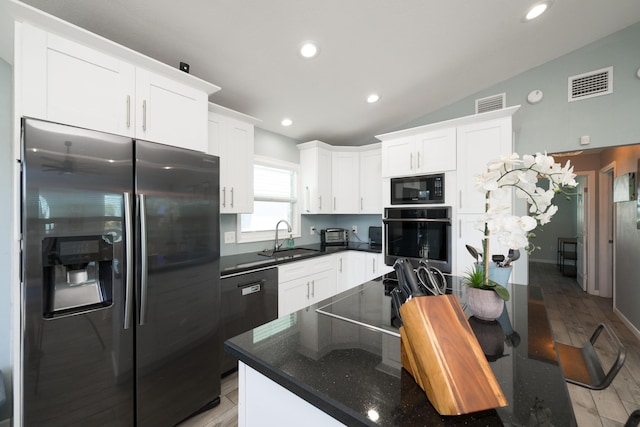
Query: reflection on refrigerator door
81, 298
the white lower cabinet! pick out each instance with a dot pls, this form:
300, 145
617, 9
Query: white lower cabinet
357, 262
303, 283
343, 280
353, 268
374, 266
256, 410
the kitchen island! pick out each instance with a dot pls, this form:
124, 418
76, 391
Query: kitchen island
338, 363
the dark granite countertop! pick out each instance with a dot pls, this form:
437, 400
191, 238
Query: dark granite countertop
232, 264
328, 357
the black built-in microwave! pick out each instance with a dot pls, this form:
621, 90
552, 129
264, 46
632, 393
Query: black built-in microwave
417, 190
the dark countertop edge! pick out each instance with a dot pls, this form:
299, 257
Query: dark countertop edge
236, 263
333, 408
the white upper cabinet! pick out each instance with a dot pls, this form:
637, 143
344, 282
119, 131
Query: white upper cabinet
315, 168
419, 154
66, 82
231, 136
436, 151
70, 82
397, 156
170, 112
339, 179
345, 178
478, 143
371, 181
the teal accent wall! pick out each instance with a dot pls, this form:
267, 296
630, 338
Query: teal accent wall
274, 145
555, 124
6, 223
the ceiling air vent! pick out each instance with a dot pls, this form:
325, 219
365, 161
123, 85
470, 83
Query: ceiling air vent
491, 103
588, 85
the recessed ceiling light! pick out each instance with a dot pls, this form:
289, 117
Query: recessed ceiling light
536, 10
309, 49
286, 122
374, 97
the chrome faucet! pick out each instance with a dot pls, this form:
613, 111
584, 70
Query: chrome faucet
277, 245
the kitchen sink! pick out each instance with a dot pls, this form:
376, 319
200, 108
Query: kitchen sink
288, 253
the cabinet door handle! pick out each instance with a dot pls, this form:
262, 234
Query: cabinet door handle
231, 197
340, 265
320, 203
460, 199
334, 203
307, 290
373, 266
224, 197
313, 289
418, 160
144, 115
128, 111
307, 199
410, 161
361, 203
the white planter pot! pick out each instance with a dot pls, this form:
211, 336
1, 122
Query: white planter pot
484, 304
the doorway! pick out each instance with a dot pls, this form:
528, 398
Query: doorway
606, 231
585, 231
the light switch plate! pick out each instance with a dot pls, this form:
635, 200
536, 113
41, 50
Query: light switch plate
230, 237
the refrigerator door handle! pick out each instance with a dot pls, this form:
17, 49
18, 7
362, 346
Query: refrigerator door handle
143, 260
128, 284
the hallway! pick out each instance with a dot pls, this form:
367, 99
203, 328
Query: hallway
574, 315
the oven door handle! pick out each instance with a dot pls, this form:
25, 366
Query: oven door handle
444, 220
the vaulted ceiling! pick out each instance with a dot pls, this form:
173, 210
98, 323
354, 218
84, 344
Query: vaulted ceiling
418, 55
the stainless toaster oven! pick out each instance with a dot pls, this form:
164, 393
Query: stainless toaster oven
334, 237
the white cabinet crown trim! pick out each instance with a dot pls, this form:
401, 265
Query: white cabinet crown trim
28, 14
461, 121
228, 112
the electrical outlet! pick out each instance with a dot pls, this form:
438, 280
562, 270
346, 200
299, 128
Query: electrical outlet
354, 228
230, 237
312, 230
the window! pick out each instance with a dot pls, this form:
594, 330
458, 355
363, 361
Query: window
275, 190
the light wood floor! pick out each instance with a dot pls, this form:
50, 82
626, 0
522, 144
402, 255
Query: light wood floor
574, 315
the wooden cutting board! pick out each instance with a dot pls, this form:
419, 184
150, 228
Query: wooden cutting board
441, 352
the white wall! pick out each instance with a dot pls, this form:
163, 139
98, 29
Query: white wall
6, 222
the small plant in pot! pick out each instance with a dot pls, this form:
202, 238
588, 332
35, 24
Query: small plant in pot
485, 297
475, 279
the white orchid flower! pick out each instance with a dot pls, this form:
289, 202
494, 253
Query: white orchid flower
522, 175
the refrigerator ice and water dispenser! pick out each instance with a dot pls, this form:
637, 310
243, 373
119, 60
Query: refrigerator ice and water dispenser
78, 274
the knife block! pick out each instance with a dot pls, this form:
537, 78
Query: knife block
442, 354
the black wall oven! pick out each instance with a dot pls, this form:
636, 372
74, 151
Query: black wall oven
419, 233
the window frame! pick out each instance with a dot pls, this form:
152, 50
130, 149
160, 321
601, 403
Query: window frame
261, 236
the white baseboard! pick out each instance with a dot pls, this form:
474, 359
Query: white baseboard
542, 261
626, 321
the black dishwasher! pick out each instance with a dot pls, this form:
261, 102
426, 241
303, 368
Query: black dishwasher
247, 301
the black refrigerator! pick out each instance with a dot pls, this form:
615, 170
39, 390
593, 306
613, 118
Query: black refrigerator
120, 279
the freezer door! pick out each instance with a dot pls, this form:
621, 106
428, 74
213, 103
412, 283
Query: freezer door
77, 356
178, 361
